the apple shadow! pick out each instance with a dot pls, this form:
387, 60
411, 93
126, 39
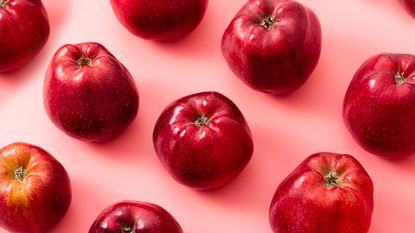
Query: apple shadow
204, 41
57, 13
253, 189
136, 140
327, 85
87, 203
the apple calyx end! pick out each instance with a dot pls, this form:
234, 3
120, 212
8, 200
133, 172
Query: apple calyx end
269, 22
400, 78
84, 61
332, 179
202, 121
3, 3
20, 174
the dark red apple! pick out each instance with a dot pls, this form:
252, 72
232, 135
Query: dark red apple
326, 193
379, 105
273, 45
203, 140
161, 20
89, 94
409, 5
24, 30
135, 217
35, 190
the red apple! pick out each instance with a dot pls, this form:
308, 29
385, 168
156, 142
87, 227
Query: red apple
89, 94
409, 6
24, 30
35, 191
133, 216
161, 20
203, 140
273, 45
379, 105
326, 193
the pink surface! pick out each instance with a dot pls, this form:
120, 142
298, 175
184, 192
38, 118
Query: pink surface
285, 129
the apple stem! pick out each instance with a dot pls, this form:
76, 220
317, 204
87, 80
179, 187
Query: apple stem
269, 22
84, 61
332, 179
400, 78
202, 121
3, 3
19, 174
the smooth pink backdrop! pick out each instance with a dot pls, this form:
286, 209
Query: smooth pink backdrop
285, 129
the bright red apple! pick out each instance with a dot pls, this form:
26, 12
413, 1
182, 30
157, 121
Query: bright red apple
161, 20
24, 30
273, 45
35, 190
326, 193
203, 140
135, 217
379, 105
409, 5
89, 94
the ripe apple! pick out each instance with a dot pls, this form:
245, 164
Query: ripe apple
409, 5
161, 20
24, 30
203, 140
379, 105
35, 190
88, 93
273, 45
326, 193
133, 216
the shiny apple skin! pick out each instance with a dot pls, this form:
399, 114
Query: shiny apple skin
24, 31
134, 216
93, 103
303, 203
160, 20
409, 6
378, 111
277, 60
40, 200
206, 156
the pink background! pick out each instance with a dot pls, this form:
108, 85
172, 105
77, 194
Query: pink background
285, 129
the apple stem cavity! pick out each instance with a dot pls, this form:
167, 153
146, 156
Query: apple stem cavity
400, 78
19, 174
3, 3
127, 229
84, 61
332, 179
269, 22
202, 121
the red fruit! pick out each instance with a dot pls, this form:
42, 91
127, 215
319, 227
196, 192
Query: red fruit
326, 193
409, 5
133, 216
24, 30
35, 190
89, 94
379, 105
273, 45
161, 20
203, 140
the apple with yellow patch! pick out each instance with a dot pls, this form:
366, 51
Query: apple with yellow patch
35, 190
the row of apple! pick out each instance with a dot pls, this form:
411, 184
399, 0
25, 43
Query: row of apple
203, 139
326, 191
